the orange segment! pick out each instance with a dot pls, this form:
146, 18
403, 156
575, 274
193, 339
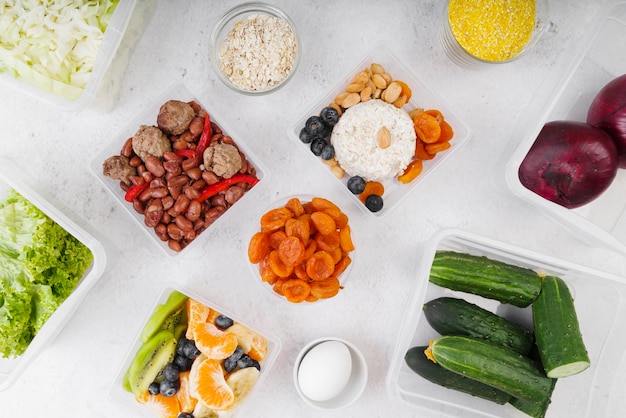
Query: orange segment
165, 407
209, 385
214, 343
252, 343
186, 401
196, 313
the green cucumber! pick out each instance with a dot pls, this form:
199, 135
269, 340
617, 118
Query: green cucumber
557, 331
488, 278
420, 364
492, 365
453, 316
535, 409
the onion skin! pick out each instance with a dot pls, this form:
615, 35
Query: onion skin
570, 163
608, 111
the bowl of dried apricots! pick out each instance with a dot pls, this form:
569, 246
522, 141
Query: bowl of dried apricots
302, 250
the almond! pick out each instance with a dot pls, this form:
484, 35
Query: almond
366, 94
355, 87
377, 68
337, 171
379, 81
392, 92
400, 101
341, 97
350, 100
383, 137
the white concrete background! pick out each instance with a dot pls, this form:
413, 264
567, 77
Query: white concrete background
73, 376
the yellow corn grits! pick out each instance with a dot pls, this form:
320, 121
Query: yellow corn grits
492, 30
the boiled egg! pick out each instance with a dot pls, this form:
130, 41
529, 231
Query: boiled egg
325, 370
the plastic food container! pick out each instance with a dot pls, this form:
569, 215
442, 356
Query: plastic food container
127, 400
124, 29
224, 25
12, 178
149, 117
600, 305
423, 97
601, 222
269, 286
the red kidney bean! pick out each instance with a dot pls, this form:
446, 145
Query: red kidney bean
186, 136
199, 184
155, 166
183, 223
124, 186
210, 177
198, 225
196, 126
145, 195
194, 210
227, 140
218, 200
161, 231
171, 156
159, 192
181, 204
158, 182
135, 161
190, 163
174, 232
233, 194
172, 167
178, 181
139, 206
127, 148
191, 192
212, 214
174, 245
167, 218
153, 216
179, 144
168, 202
189, 235
215, 129
194, 173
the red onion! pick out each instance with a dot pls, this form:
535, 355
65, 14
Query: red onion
570, 163
608, 111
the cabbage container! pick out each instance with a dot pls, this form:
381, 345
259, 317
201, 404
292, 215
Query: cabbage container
599, 300
12, 178
101, 91
423, 97
600, 59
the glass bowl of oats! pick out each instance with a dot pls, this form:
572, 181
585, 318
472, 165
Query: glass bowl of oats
254, 48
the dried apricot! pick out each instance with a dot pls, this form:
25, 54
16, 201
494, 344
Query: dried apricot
320, 266
300, 271
340, 218
277, 265
328, 242
413, 170
406, 90
345, 239
435, 114
295, 206
275, 219
295, 290
266, 272
420, 151
278, 286
326, 288
446, 132
322, 204
310, 249
372, 187
276, 238
426, 127
437, 147
259, 247
323, 223
291, 251
336, 254
311, 298
342, 265
299, 228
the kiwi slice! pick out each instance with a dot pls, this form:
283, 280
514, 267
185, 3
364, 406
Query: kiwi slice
150, 359
162, 316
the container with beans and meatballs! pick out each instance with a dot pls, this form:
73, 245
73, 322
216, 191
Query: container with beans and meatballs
182, 173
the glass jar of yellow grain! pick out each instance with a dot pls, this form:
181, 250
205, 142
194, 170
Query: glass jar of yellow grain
476, 33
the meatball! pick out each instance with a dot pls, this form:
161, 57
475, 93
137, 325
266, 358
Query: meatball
175, 116
150, 140
118, 167
222, 159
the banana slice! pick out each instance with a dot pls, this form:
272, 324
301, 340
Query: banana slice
203, 411
241, 382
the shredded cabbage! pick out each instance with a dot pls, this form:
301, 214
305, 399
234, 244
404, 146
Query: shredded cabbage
53, 43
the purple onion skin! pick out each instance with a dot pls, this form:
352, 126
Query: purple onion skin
570, 163
608, 111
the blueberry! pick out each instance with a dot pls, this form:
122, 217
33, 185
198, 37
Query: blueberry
183, 363
223, 322
190, 350
247, 361
317, 145
184, 415
329, 116
328, 152
305, 136
374, 203
181, 346
168, 388
171, 372
231, 362
356, 184
154, 388
315, 125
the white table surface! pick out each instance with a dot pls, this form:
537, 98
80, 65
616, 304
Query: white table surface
73, 376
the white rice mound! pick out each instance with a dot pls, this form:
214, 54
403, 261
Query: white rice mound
355, 139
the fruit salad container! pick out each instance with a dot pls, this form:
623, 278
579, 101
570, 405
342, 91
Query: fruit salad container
248, 177
599, 301
219, 362
602, 222
94, 258
102, 84
302, 249
421, 96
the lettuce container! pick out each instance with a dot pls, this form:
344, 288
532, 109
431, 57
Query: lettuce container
149, 117
423, 96
600, 306
602, 222
12, 178
126, 400
128, 21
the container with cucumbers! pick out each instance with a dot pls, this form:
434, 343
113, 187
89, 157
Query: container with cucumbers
491, 357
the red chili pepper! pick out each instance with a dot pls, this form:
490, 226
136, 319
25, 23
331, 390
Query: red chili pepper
186, 153
205, 137
135, 190
213, 189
